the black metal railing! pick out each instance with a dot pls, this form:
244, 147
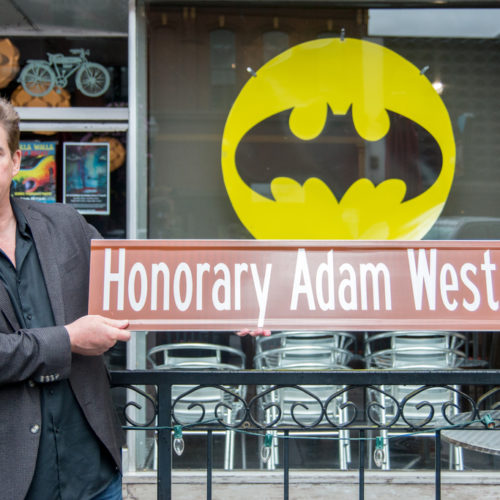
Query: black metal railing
263, 411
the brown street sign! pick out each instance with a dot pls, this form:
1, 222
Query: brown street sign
334, 285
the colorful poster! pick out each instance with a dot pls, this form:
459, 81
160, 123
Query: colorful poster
86, 177
37, 178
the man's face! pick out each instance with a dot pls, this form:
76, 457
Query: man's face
9, 165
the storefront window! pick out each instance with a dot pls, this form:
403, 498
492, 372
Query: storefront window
198, 69
196, 72
58, 61
203, 59
463, 58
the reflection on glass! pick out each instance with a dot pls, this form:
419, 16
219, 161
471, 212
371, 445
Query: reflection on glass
222, 57
222, 66
438, 86
274, 43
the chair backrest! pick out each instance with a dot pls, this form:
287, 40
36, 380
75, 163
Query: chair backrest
415, 350
313, 350
304, 350
196, 355
194, 403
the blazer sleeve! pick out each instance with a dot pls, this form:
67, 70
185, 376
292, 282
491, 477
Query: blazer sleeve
39, 354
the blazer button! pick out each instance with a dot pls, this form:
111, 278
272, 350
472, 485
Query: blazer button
31, 383
34, 429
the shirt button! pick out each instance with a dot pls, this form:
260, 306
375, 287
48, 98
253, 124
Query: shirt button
28, 316
34, 429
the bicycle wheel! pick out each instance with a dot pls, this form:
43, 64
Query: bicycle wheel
92, 79
37, 79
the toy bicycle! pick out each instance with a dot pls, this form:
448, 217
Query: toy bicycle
39, 77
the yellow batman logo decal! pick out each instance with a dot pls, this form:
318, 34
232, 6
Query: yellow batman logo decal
319, 89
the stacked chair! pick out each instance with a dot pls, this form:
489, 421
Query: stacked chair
204, 403
290, 406
414, 350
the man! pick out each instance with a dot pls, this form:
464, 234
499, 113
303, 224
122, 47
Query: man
59, 436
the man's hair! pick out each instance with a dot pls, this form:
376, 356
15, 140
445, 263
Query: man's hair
9, 119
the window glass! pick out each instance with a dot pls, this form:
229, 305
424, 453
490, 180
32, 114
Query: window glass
69, 55
64, 53
37, 182
193, 61
274, 42
198, 69
67, 72
222, 66
467, 73
222, 57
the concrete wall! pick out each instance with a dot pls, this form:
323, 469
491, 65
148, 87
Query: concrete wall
319, 485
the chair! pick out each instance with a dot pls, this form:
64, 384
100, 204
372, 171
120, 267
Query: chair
204, 403
419, 350
289, 406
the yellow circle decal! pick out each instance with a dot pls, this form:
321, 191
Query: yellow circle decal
337, 76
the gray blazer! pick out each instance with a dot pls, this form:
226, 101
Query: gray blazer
31, 357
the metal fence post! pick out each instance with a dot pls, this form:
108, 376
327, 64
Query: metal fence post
286, 465
210, 442
361, 464
438, 465
164, 491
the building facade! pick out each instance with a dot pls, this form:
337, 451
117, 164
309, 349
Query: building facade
160, 84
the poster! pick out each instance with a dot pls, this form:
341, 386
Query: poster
36, 179
86, 177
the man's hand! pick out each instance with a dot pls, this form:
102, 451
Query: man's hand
254, 333
94, 335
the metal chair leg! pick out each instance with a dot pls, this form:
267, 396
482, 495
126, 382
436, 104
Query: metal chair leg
229, 445
243, 451
387, 458
343, 449
456, 457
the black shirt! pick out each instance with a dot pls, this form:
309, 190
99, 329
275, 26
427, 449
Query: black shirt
71, 461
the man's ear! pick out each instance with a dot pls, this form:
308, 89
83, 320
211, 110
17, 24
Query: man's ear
16, 159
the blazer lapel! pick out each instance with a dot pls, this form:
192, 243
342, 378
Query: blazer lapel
47, 256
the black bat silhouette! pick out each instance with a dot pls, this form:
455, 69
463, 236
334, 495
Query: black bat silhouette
337, 155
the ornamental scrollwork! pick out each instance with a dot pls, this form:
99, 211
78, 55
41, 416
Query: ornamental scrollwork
307, 407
